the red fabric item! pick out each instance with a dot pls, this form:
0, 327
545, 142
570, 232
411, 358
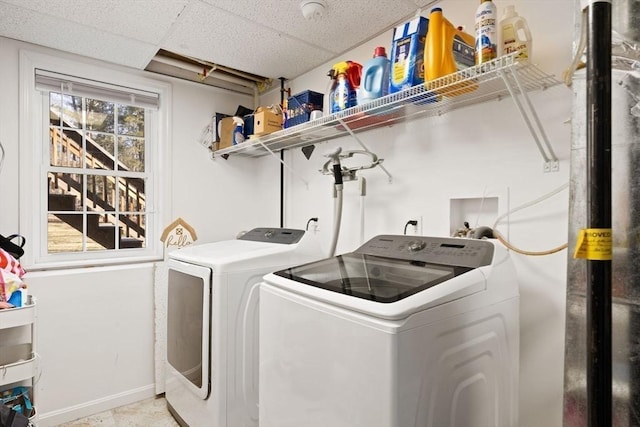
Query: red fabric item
9, 263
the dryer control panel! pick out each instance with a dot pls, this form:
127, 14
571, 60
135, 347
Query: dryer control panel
285, 236
460, 252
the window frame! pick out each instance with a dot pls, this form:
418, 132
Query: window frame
34, 159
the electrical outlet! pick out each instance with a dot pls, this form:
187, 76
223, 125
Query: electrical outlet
414, 229
312, 225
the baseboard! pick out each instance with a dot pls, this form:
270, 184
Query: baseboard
54, 418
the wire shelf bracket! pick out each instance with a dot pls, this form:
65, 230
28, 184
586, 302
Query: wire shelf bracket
551, 163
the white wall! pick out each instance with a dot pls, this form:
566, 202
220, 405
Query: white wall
217, 197
96, 325
94, 339
474, 152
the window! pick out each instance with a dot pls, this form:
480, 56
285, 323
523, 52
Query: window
96, 175
95, 162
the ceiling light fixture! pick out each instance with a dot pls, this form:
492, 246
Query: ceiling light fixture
313, 9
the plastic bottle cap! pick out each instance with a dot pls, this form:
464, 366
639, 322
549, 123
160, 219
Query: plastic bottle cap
436, 9
510, 11
340, 68
379, 51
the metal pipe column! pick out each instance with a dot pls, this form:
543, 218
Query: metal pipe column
599, 390
282, 91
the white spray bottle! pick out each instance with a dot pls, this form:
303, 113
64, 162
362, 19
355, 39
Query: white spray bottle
238, 130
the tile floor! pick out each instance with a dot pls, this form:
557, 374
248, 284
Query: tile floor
147, 413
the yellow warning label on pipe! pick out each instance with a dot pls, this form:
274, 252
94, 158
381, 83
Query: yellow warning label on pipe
594, 244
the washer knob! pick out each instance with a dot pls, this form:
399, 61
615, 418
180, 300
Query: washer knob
268, 234
416, 245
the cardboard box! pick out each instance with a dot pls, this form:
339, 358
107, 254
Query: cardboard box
266, 122
407, 54
225, 132
218, 118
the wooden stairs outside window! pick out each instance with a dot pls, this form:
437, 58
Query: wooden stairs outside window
65, 194
101, 233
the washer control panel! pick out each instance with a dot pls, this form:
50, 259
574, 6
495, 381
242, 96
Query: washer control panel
437, 250
285, 236
416, 245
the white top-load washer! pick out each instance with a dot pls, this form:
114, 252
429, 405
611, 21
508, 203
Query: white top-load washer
212, 323
405, 331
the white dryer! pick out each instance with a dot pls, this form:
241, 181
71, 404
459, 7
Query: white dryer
212, 323
405, 331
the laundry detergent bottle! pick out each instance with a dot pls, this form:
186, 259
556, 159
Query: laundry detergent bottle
438, 54
354, 75
374, 82
447, 50
486, 26
515, 33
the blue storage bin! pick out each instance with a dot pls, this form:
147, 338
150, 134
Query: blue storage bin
300, 106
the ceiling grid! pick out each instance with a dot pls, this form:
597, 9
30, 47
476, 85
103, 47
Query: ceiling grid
268, 38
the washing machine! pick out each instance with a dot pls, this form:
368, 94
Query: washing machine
212, 323
405, 331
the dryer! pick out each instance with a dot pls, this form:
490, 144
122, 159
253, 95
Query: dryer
212, 323
405, 331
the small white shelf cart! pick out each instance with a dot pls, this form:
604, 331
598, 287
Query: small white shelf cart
18, 357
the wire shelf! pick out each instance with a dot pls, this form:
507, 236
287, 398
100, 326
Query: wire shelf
485, 82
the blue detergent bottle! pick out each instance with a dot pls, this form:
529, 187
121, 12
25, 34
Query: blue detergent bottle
375, 77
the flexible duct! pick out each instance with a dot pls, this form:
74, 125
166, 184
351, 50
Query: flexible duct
624, 294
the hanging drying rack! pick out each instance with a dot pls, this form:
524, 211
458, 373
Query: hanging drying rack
496, 79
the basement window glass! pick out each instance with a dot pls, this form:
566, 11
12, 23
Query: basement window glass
97, 176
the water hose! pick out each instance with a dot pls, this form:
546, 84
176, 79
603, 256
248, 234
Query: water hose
504, 241
337, 219
567, 75
334, 155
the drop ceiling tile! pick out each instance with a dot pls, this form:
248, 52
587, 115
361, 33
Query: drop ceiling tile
144, 20
223, 38
45, 30
345, 24
266, 37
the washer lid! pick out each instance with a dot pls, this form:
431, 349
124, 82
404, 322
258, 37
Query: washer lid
372, 277
458, 252
284, 236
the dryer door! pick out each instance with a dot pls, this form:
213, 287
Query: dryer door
189, 324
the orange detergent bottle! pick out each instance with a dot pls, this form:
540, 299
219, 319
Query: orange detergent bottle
447, 50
